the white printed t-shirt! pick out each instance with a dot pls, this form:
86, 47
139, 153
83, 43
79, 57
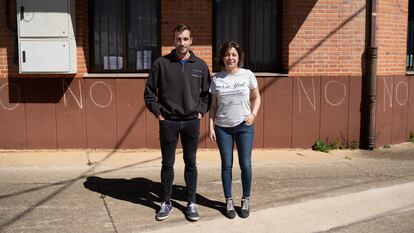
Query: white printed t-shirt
233, 96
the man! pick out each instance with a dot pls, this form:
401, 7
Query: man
177, 93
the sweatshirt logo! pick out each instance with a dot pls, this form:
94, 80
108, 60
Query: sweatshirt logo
197, 73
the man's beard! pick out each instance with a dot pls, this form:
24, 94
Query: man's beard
182, 49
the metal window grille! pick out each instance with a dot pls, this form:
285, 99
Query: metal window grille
123, 35
410, 39
256, 25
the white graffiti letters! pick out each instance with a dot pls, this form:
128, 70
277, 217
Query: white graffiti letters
109, 91
75, 92
400, 93
343, 97
78, 100
11, 85
311, 101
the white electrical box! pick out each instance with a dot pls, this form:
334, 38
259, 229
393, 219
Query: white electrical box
46, 35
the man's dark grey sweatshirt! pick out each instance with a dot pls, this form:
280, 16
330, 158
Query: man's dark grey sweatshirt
178, 90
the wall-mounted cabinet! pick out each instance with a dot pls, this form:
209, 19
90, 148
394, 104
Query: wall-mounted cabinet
46, 35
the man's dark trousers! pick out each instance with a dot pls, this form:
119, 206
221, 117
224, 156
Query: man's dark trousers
170, 131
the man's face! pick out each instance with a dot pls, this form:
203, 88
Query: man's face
182, 41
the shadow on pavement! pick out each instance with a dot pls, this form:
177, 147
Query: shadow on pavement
145, 192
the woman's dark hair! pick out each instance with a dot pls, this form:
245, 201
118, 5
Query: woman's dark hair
223, 50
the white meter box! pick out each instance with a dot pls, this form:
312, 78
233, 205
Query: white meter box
46, 34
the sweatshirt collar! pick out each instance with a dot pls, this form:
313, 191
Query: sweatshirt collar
174, 57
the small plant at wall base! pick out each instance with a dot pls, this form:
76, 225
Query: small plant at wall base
321, 146
353, 145
335, 145
412, 137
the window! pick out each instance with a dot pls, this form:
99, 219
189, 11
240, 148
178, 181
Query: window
123, 35
257, 26
410, 39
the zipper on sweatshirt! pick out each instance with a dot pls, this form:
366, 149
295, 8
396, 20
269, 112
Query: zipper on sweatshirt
182, 65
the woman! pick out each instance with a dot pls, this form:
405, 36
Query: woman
235, 103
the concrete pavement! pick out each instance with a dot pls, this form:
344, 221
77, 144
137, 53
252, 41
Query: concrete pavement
315, 215
293, 191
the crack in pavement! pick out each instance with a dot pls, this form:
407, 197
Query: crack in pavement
107, 208
358, 168
377, 174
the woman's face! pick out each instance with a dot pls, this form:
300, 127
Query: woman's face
231, 59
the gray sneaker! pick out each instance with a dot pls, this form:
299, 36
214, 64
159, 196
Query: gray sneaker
230, 212
192, 213
245, 210
164, 211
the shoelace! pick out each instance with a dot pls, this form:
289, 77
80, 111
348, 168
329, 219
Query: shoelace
192, 208
245, 204
163, 207
230, 205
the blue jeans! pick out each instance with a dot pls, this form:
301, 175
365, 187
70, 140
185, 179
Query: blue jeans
243, 136
170, 131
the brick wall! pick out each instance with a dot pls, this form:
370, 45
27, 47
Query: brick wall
196, 14
324, 37
392, 36
7, 41
82, 37
319, 37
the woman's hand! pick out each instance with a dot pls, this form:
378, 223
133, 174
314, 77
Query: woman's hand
212, 134
250, 119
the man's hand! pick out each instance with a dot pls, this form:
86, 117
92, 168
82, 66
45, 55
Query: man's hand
200, 116
160, 118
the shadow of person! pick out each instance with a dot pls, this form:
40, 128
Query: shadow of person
145, 192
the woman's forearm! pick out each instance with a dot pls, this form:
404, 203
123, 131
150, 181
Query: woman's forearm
256, 101
212, 113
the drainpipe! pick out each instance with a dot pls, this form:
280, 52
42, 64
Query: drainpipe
371, 77
12, 30
9, 24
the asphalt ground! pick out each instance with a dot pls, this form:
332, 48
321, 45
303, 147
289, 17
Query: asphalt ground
292, 191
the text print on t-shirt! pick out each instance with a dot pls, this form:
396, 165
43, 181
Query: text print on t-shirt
232, 93
226, 85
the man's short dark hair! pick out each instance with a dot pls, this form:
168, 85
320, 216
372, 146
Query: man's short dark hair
226, 47
180, 28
